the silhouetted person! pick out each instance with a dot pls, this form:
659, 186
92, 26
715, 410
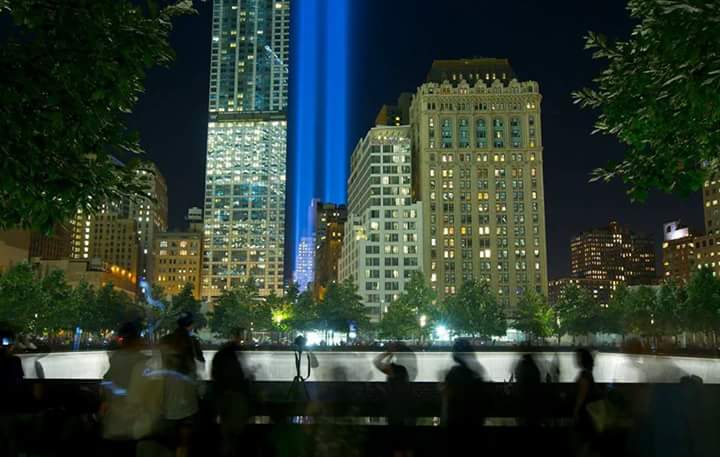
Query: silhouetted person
527, 379
11, 370
464, 412
399, 399
231, 391
180, 350
11, 377
586, 393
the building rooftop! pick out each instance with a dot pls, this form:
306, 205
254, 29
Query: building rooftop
482, 68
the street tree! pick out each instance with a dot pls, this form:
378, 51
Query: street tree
702, 306
400, 322
659, 94
340, 307
72, 71
534, 316
475, 311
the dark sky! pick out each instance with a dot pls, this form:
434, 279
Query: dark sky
394, 43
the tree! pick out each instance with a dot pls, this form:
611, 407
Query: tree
21, 297
340, 307
660, 96
400, 321
71, 73
577, 312
111, 308
640, 311
475, 311
240, 307
702, 306
534, 316
668, 307
185, 302
304, 314
613, 318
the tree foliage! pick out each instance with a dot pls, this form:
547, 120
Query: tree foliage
240, 307
340, 307
660, 95
475, 311
577, 312
72, 70
534, 316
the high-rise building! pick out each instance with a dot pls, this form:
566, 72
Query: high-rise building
305, 263
707, 247
329, 233
247, 146
383, 244
478, 171
678, 252
178, 261
123, 231
249, 55
613, 253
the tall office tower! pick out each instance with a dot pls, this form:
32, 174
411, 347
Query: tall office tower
478, 171
678, 252
247, 146
614, 253
329, 233
305, 268
123, 232
151, 213
707, 246
383, 245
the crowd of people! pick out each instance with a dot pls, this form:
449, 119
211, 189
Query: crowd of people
150, 408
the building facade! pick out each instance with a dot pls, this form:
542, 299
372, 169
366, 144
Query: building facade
383, 244
613, 253
329, 233
244, 230
678, 252
305, 268
600, 290
478, 171
178, 261
122, 233
93, 272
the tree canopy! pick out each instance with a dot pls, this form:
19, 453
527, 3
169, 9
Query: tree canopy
475, 311
71, 73
660, 96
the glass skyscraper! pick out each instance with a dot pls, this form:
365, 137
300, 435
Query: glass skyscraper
247, 146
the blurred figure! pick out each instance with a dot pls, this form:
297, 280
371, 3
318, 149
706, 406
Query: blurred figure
586, 393
463, 409
528, 378
11, 377
399, 399
180, 351
231, 389
11, 370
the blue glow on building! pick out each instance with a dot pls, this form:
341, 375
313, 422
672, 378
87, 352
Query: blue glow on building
318, 112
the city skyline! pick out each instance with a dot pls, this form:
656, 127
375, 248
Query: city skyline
572, 205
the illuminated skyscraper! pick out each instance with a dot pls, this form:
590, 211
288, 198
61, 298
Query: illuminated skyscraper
382, 246
247, 146
613, 253
478, 171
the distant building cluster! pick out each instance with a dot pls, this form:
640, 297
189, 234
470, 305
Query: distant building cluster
684, 252
448, 183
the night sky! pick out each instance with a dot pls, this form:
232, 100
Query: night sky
394, 43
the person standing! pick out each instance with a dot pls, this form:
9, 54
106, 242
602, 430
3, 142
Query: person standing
399, 400
231, 392
180, 350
